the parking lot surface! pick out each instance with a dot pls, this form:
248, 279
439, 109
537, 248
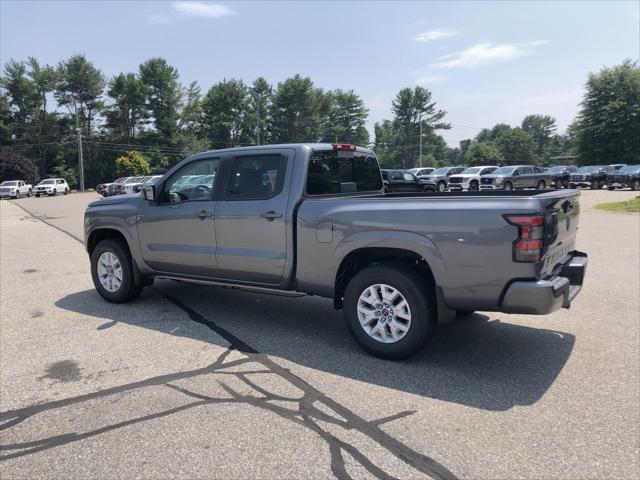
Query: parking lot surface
202, 382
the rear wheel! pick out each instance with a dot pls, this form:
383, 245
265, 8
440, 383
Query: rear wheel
55, 192
442, 187
508, 186
112, 272
389, 310
541, 185
66, 191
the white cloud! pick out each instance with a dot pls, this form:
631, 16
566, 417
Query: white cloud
202, 9
483, 54
191, 9
432, 35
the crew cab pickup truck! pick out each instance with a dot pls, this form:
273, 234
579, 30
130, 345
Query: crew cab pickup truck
515, 177
15, 189
314, 219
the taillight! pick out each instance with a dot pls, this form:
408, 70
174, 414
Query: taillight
528, 246
344, 147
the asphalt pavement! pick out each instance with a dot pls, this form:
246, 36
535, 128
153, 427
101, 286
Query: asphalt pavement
202, 382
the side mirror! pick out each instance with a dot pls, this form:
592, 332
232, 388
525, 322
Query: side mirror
149, 193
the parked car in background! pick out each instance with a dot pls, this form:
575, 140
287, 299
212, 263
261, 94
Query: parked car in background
469, 179
618, 166
440, 176
594, 176
51, 187
399, 181
421, 171
559, 175
103, 188
15, 189
150, 180
628, 176
515, 177
396, 264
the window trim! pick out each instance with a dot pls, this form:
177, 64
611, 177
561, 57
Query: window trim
227, 196
173, 175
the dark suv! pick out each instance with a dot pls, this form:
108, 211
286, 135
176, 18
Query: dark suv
400, 181
628, 176
560, 175
593, 176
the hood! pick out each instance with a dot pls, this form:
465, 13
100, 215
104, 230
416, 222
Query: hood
114, 200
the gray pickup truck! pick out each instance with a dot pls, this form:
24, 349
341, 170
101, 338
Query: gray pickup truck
313, 219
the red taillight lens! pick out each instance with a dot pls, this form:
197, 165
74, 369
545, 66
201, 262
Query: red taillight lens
528, 246
344, 147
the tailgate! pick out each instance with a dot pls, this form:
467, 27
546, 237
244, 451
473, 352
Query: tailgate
562, 215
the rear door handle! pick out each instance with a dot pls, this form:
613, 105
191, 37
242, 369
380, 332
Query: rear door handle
271, 215
203, 214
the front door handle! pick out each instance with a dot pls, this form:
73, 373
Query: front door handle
203, 214
271, 215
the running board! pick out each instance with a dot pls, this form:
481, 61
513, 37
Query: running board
235, 286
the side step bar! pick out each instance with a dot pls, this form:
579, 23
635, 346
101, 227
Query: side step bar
235, 286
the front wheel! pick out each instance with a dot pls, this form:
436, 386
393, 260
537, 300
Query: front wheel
442, 187
390, 310
112, 272
636, 185
29, 193
541, 185
508, 186
473, 187
66, 191
595, 185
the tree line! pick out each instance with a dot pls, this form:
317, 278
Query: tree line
149, 111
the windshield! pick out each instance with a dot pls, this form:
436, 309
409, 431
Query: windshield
627, 169
441, 171
153, 180
47, 182
504, 170
556, 169
8, 184
589, 169
471, 170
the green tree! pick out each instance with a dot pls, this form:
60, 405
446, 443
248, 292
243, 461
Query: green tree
260, 104
79, 88
15, 166
164, 96
23, 97
224, 110
44, 78
542, 129
347, 118
482, 153
131, 164
128, 111
515, 146
295, 111
608, 128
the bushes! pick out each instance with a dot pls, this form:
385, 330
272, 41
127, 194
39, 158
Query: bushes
15, 166
132, 164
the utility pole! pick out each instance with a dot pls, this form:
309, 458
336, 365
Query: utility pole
80, 159
420, 120
258, 120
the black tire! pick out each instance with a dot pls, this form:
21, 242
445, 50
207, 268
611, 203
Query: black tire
386, 190
508, 186
595, 185
442, 187
29, 193
419, 294
558, 185
464, 313
611, 188
37, 195
17, 195
66, 191
541, 185
474, 187
428, 188
128, 290
572, 185
55, 192
636, 185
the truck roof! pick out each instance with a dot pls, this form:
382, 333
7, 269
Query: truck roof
295, 146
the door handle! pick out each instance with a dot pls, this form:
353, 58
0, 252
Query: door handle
203, 214
271, 215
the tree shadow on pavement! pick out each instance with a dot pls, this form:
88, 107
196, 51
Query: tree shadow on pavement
475, 361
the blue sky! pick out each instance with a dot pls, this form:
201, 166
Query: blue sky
485, 62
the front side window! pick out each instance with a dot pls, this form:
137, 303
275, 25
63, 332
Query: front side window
408, 177
177, 190
330, 173
257, 177
526, 171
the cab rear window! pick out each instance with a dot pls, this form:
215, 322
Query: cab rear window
332, 172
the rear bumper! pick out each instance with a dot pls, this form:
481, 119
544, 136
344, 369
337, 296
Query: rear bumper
545, 296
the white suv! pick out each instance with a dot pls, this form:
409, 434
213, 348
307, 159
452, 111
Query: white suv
51, 186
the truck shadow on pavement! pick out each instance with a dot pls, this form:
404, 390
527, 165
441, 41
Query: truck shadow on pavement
475, 361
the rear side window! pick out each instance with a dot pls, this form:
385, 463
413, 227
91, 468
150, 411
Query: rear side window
329, 174
257, 177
